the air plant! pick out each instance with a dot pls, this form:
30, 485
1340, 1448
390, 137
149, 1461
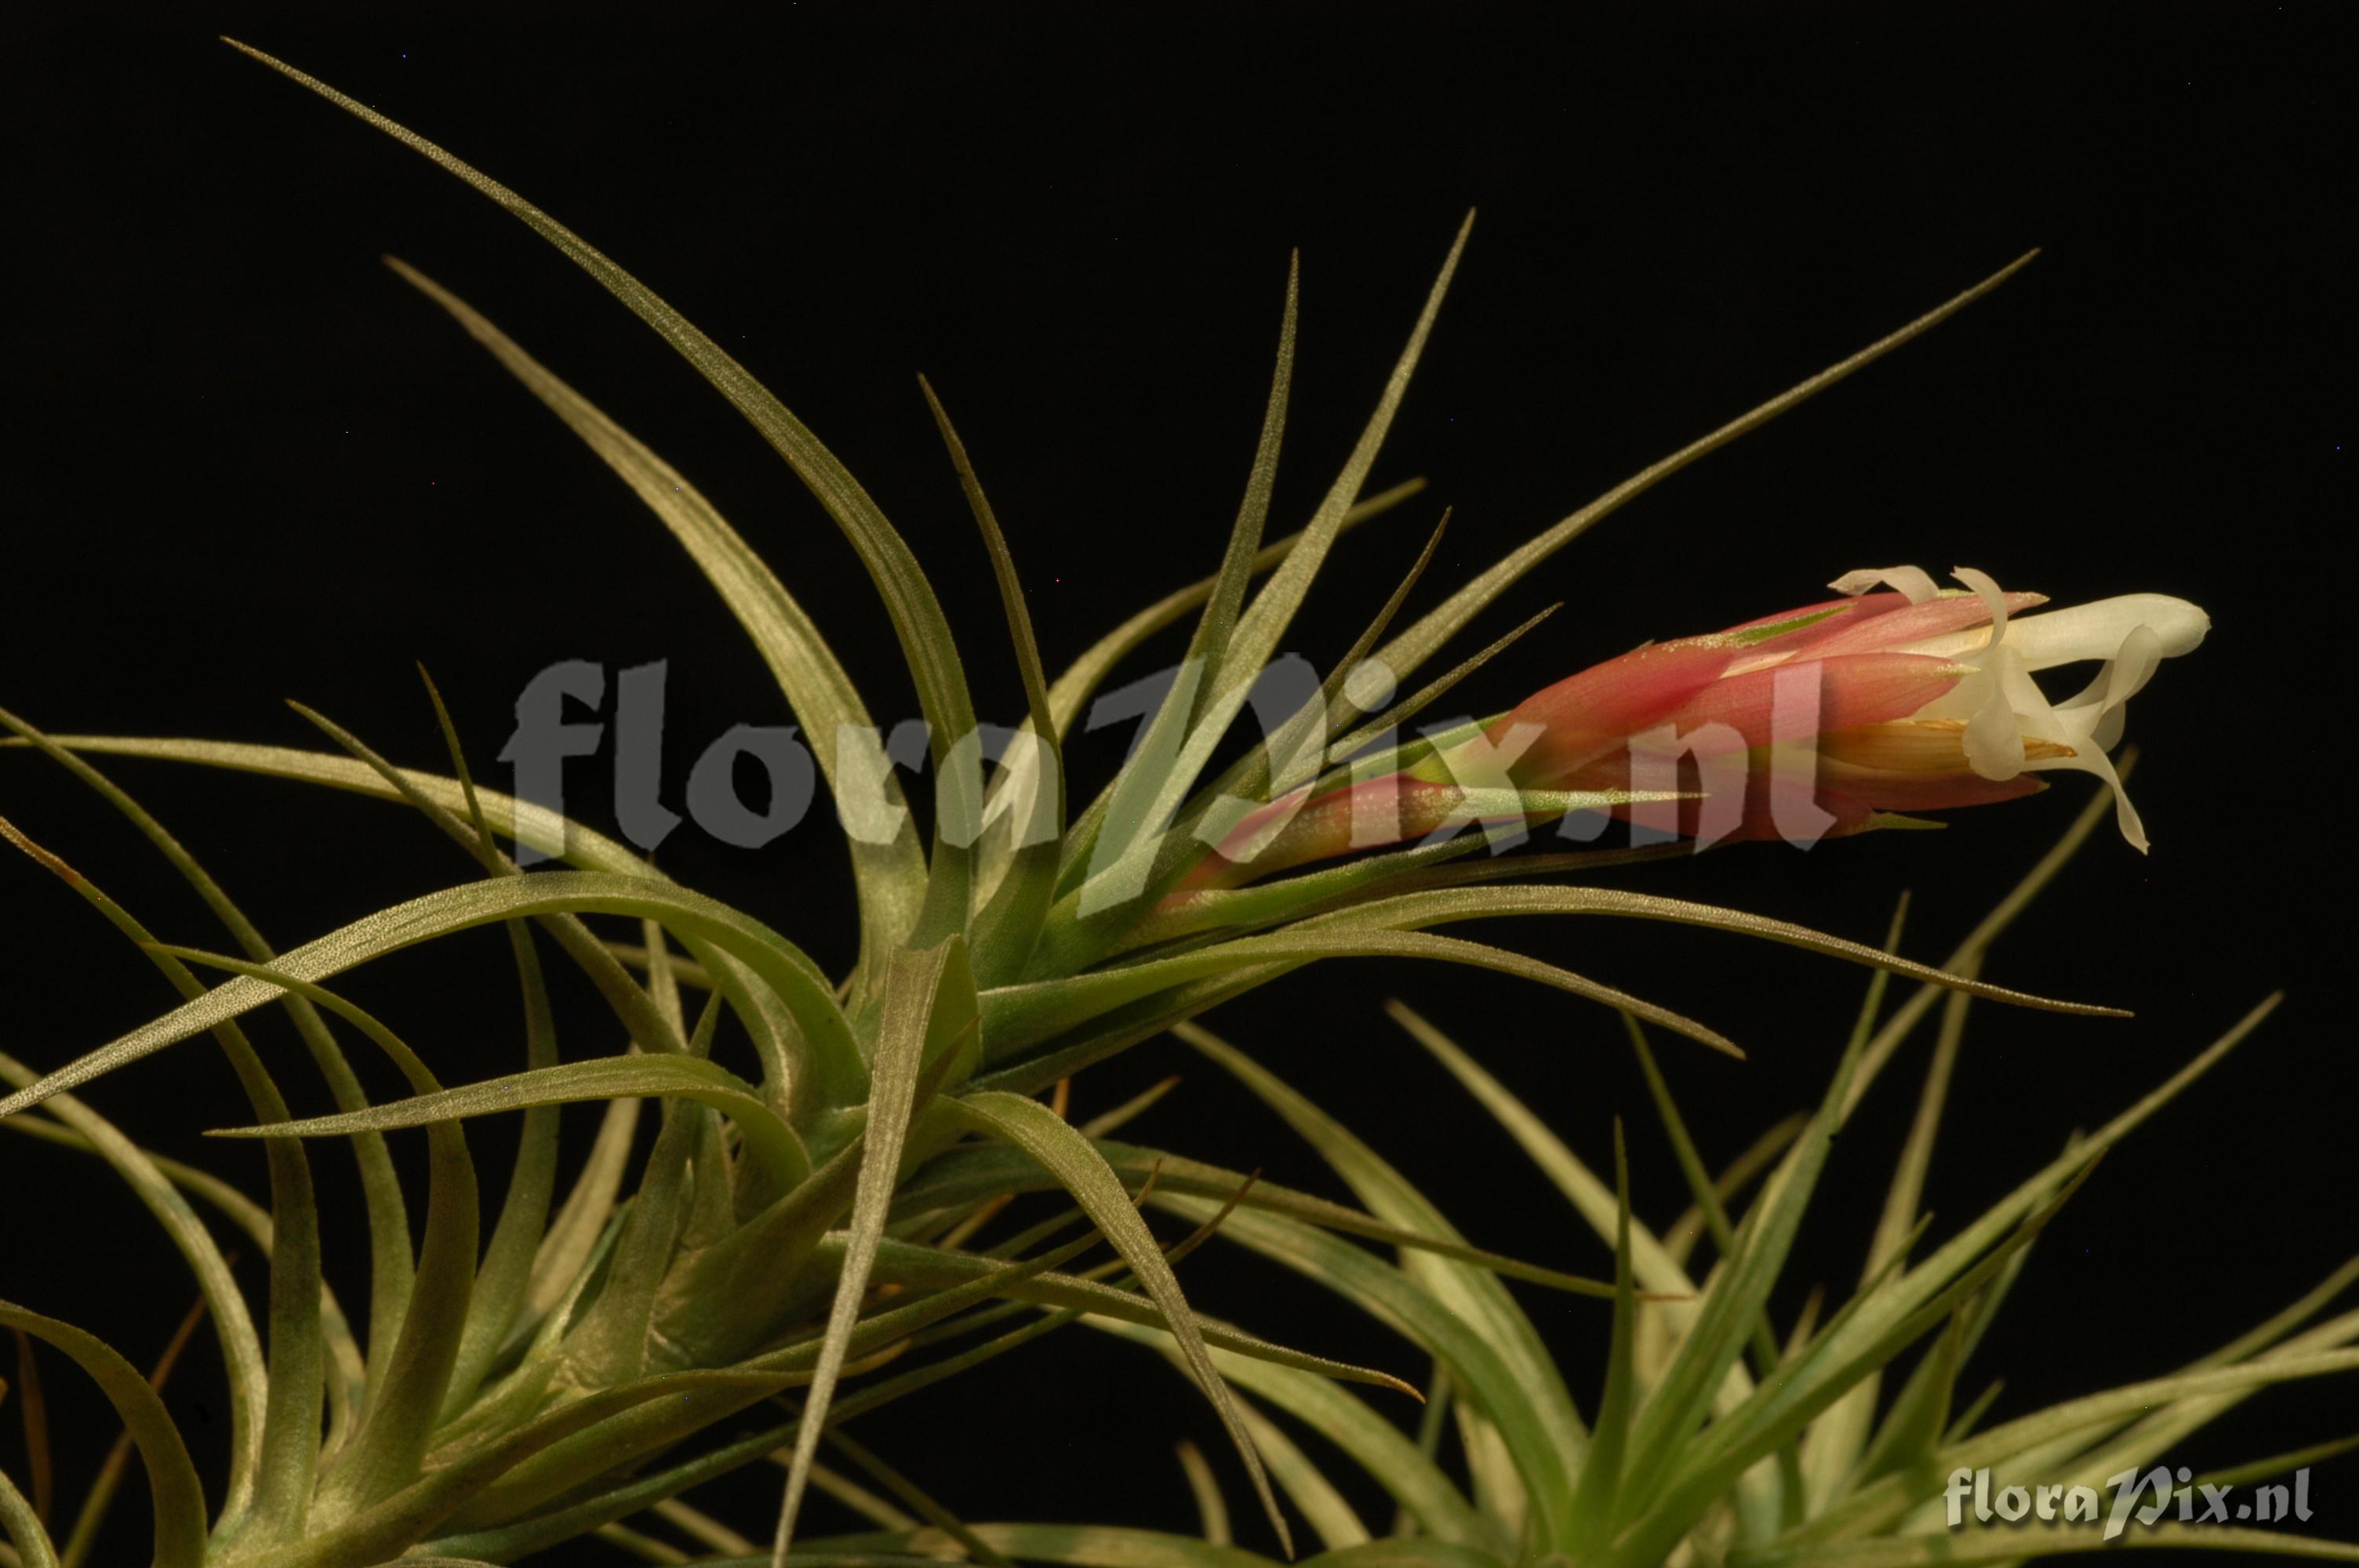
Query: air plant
1721, 1436
806, 1240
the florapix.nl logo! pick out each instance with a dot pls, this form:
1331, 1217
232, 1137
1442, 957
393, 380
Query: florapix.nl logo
2144, 1496
1676, 783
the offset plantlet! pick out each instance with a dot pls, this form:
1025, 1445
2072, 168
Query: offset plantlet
817, 1236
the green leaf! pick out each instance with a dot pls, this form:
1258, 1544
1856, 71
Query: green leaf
768, 1139
1072, 690
1398, 1553
1911, 1292
1913, 1429
1314, 1497
1762, 1341
406, 1393
1108, 854
1296, 751
1478, 1366
1734, 1300
977, 1549
638, 1014
1838, 1440
1598, 1497
1708, 1469
154, 1178
910, 600
653, 1412
392, 1525
768, 955
931, 1269
2278, 1464
1418, 910
505, 1276
890, 876
1010, 921
390, 1265
1212, 1508
1017, 1017
22, 1522
1272, 610
99, 1498
565, 1251
1419, 642
1654, 1264
2161, 1430
172, 1486
1412, 1478
521, 820
726, 1298
277, 1491
1223, 672
967, 1175
1081, 1545
1910, 1013
610, 1341
503, 1285
1040, 1133
1195, 918
1472, 1297
927, 1006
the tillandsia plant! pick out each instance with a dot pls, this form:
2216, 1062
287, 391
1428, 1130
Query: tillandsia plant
1722, 1436
811, 1240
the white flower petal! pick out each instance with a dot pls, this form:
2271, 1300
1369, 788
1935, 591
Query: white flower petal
2107, 698
2125, 674
1994, 736
2094, 761
1913, 582
2110, 727
2097, 631
2010, 726
1987, 588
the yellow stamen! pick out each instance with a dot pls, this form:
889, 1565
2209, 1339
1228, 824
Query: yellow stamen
1919, 746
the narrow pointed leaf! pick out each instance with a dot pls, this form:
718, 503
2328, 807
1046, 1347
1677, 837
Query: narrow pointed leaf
20, 1521
767, 1137
927, 1002
1472, 1295
1414, 646
277, 1492
890, 877
179, 1499
1015, 904
390, 1265
1016, 1017
765, 954
910, 600
406, 1392
1273, 609
1039, 1131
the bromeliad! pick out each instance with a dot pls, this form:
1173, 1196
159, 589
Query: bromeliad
1813, 723
791, 1232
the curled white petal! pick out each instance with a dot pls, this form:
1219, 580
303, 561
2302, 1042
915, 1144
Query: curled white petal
2100, 708
1994, 733
1993, 600
2092, 760
2011, 728
1914, 583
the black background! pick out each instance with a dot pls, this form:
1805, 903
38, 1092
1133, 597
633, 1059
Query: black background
247, 463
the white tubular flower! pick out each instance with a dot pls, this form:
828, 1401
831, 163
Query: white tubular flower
2010, 726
